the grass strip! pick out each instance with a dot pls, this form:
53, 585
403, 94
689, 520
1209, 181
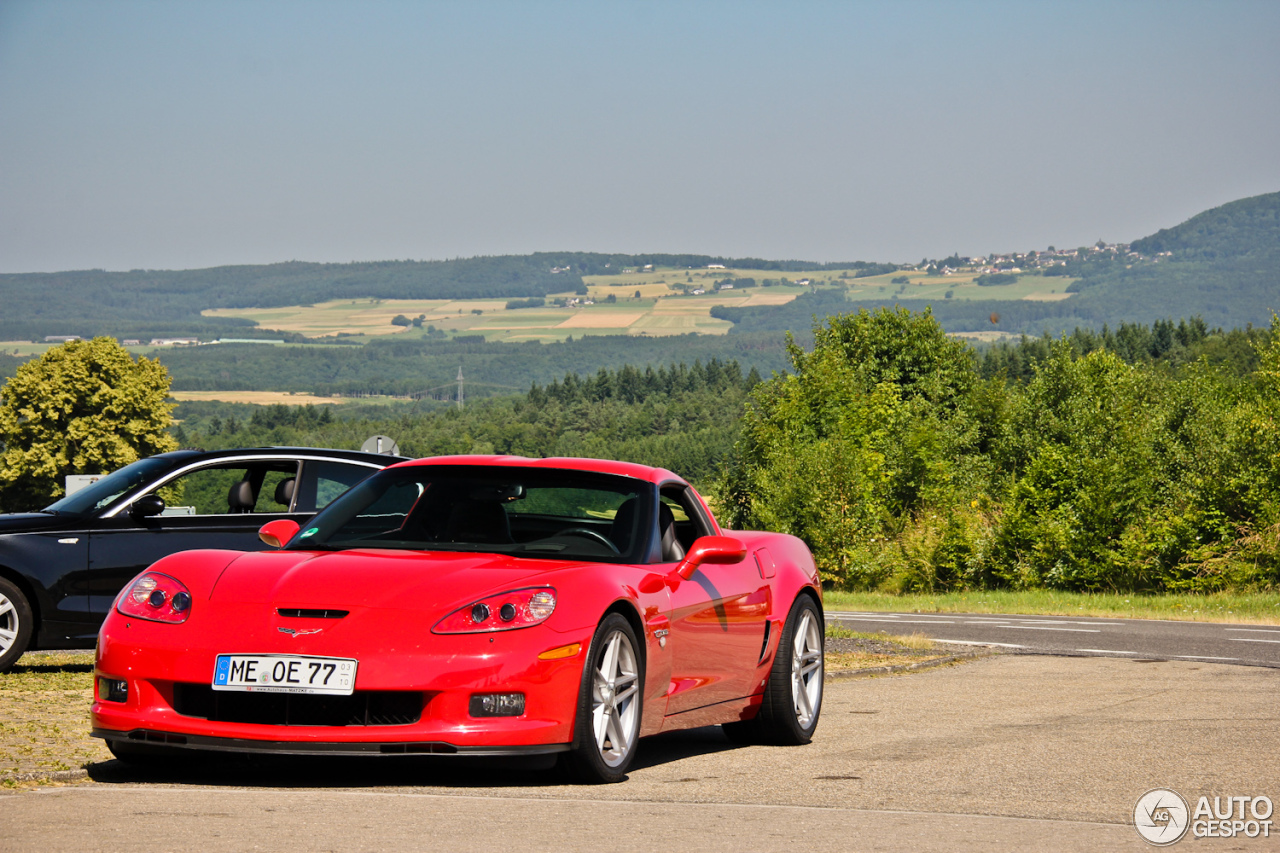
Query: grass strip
1259, 608
44, 718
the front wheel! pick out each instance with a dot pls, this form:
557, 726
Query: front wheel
15, 624
793, 697
609, 702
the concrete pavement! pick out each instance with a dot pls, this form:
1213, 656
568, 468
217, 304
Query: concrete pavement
1006, 753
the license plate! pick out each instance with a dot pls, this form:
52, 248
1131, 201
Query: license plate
285, 674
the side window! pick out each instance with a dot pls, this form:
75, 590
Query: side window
689, 522
322, 482
203, 491
233, 488
276, 492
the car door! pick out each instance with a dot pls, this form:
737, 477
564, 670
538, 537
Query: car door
718, 620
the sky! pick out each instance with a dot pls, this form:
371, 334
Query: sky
163, 135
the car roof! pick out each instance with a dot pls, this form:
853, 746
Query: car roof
351, 455
561, 463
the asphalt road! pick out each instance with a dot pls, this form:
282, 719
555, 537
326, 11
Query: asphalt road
1013, 752
1211, 642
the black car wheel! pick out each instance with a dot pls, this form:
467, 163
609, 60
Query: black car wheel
15, 624
793, 697
609, 705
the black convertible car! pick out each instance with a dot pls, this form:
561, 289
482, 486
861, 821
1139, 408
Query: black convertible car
60, 568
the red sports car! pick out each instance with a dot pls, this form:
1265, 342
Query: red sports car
471, 605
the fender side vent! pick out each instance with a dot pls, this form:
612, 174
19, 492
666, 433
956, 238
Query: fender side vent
764, 646
303, 613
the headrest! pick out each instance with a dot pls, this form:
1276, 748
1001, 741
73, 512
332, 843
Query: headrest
241, 498
284, 492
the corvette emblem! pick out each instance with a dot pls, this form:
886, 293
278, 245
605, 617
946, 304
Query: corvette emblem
298, 632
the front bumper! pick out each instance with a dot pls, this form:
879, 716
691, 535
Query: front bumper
277, 747
444, 671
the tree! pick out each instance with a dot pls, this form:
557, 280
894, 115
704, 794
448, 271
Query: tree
84, 407
872, 424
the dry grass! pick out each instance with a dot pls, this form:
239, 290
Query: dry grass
852, 650
261, 398
44, 716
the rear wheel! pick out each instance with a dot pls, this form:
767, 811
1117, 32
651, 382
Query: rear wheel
609, 703
793, 697
15, 624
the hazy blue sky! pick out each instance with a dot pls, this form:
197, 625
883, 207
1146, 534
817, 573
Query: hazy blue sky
186, 134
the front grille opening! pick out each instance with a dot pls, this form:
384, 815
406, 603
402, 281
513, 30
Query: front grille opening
362, 708
303, 613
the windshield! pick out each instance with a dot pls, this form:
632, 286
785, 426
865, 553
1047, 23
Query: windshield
517, 511
109, 488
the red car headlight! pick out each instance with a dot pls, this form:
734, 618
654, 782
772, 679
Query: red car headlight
519, 608
156, 597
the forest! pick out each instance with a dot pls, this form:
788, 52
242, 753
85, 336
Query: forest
1098, 469
680, 417
429, 367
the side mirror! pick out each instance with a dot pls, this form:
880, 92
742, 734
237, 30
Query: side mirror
276, 533
711, 550
147, 506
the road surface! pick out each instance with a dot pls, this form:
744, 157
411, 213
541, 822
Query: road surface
1210, 642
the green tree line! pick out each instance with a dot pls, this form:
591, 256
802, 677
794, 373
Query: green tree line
684, 418
904, 468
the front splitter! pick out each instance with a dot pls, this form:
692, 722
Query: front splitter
284, 747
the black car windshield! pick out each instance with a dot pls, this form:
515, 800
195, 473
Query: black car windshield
110, 487
519, 511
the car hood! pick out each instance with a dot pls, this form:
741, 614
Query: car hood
31, 522
372, 579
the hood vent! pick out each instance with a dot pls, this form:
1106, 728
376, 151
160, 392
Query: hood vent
305, 613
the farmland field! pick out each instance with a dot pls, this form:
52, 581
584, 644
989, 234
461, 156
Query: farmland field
662, 308
961, 285
259, 398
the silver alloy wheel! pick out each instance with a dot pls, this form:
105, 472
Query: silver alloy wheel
8, 624
806, 669
615, 687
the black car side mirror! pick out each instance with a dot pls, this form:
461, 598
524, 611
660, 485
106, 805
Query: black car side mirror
147, 506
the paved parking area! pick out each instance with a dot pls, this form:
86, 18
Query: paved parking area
1013, 752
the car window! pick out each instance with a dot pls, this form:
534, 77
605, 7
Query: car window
323, 481
276, 492
689, 521
228, 489
569, 503
536, 513
106, 490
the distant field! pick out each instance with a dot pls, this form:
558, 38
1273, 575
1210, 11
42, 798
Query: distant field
662, 308
920, 285
655, 302
260, 398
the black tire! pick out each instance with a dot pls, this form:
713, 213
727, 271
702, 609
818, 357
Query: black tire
16, 622
144, 755
610, 702
792, 701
